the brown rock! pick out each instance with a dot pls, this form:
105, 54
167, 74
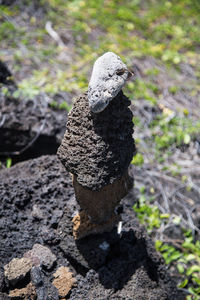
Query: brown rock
27, 293
41, 255
83, 225
17, 269
100, 205
63, 281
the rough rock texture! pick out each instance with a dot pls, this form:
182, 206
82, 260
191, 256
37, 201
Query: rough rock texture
109, 75
106, 266
63, 281
100, 205
98, 148
82, 225
4, 296
27, 293
114, 266
41, 256
43, 285
17, 269
42, 182
29, 128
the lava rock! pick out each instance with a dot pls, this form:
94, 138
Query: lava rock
41, 256
64, 281
42, 182
29, 128
17, 269
98, 148
4, 296
106, 266
84, 227
27, 293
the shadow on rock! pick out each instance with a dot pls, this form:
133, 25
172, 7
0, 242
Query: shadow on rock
116, 258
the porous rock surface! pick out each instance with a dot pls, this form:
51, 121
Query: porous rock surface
63, 280
26, 293
41, 256
109, 75
17, 269
98, 148
105, 266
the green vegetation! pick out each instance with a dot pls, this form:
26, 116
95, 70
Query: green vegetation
160, 41
8, 162
182, 256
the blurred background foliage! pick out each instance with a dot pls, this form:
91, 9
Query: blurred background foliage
51, 45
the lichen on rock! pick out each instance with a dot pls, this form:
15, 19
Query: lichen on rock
98, 148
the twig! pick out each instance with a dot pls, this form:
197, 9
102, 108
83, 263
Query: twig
164, 196
173, 193
54, 34
2, 120
163, 176
7, 18
193, 185
175, 242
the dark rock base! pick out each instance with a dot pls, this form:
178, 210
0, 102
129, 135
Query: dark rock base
37, 205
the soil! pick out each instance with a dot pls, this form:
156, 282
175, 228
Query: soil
37, 205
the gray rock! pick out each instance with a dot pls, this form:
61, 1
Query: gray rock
4, 296
41, 256
108, 77
38, 281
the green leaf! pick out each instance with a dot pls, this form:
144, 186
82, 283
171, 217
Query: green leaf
158, 244
176, 220
180, 268
138, 160
186, 138
183, 283
190, 257
164, 216
192, 269
8, 162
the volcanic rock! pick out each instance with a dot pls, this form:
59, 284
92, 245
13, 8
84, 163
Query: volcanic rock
98, 148
27, 293
82, 225
29, 128
42, 182
63, 281
17, 269
107, 266
41, 256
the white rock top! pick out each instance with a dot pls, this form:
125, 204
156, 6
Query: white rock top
109, 75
